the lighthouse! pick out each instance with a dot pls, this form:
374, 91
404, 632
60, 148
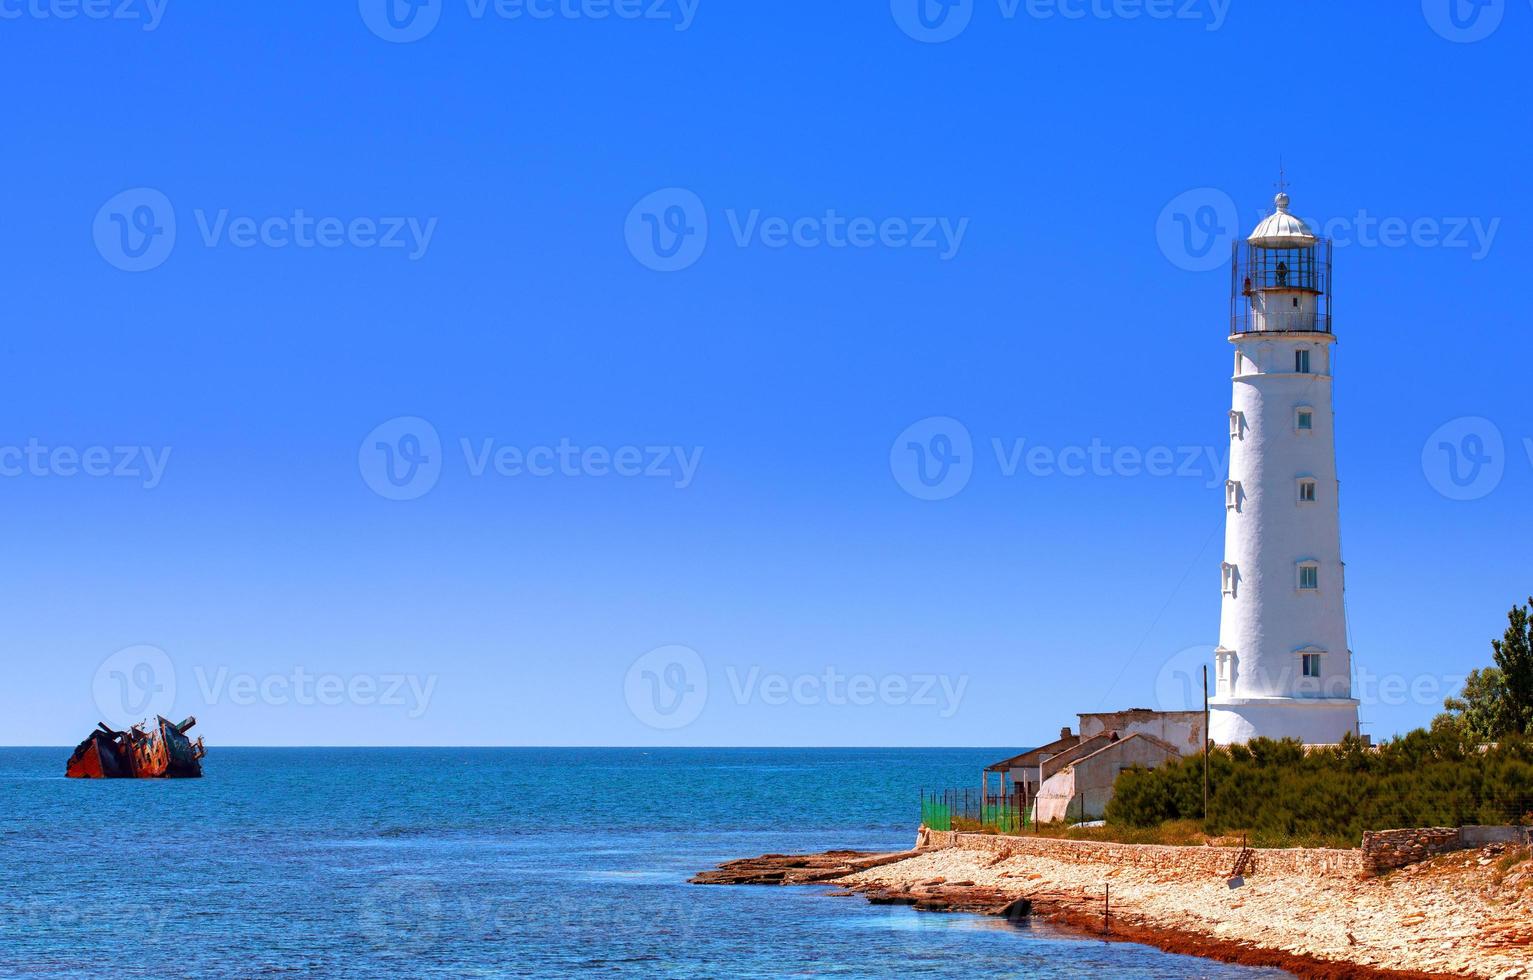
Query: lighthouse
1282, 666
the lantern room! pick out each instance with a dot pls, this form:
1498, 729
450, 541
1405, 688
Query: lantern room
1281, 277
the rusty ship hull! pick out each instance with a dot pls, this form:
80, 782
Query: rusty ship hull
160, 750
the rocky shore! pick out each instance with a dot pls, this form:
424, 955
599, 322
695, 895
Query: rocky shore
1463, 914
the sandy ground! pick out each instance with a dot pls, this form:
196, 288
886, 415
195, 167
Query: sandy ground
1459, 915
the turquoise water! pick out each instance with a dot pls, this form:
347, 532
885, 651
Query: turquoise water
491, 862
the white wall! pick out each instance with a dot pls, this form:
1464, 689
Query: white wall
1183, 729
1054, 796
1269, 621
1313, 722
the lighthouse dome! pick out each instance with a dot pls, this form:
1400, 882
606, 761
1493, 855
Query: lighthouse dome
1281, 229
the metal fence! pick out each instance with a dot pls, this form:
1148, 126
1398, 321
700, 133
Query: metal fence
968, 809
1280, 321
1455, 810
1518, 810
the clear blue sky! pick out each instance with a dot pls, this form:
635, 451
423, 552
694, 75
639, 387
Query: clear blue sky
523, 606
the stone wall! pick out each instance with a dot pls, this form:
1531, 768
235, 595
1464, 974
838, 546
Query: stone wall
1213, 861
1382, 851
1386, 850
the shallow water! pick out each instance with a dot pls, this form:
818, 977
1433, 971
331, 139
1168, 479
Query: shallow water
491, 862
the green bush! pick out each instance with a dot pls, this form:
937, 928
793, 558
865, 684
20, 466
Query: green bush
1278, 792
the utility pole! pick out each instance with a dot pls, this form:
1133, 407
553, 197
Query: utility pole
1205, 743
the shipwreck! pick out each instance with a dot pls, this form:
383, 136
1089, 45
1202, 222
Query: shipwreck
160, 750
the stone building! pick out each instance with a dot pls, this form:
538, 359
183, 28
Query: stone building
1081, 788
1183, 729
1074, 774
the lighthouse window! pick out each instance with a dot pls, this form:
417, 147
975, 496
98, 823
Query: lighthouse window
1306, 491
1240, 363
1229, 578
1232, 494
1301, 362
1305, 420
1235, 420
1309, 577
1311, 664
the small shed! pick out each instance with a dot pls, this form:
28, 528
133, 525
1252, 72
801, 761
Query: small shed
1081, 787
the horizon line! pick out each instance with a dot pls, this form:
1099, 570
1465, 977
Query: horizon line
591, 746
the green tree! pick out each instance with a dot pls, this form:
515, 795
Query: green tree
1514, 657
1479, 713
1286, 795
1497, 701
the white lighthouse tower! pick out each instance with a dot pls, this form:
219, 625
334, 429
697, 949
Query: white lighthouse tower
1283, 668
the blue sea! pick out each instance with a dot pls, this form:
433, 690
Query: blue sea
489, 863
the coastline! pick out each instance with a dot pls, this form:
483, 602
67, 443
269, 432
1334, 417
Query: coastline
1459, 915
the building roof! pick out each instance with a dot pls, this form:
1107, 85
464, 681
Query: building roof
1033, 757
1087, 747
1137, 713
1118, 744
1281, 229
